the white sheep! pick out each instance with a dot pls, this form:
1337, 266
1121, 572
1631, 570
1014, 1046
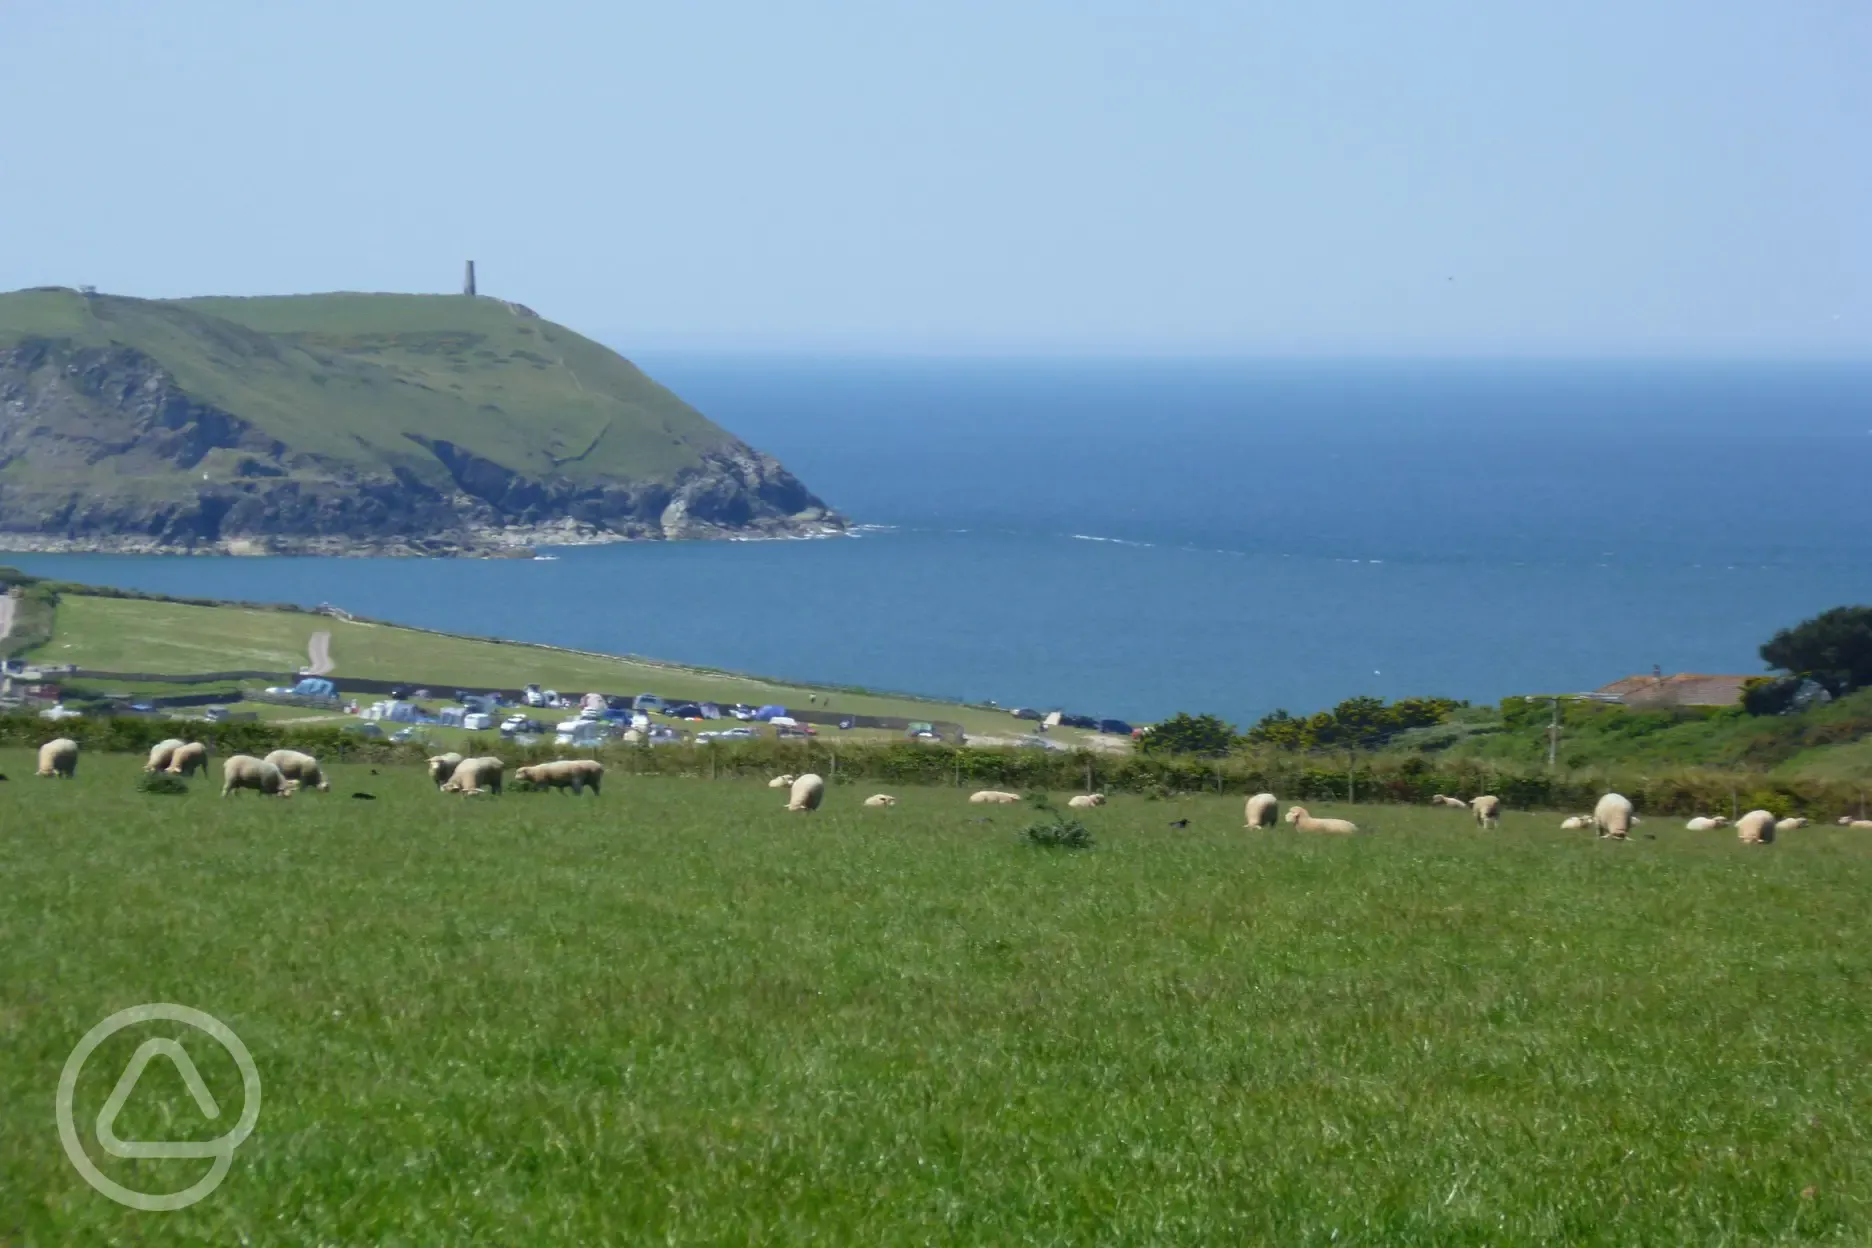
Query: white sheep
161, 754
1756, 828
1085, 801
301, 770
474, 776
1859, 823
1307, 823
782, 782
1576, 822
1454, 803
577, 774
442, 766
188, 759
993, 797
880, 799
244, 771
59, 758
1788, 825
1707, 823
1262, 811
1487, 811
806, 793
1613, 816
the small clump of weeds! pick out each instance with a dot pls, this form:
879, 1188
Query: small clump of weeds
1056, 831
161, 782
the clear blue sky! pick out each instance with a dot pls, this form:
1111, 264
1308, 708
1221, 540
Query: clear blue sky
1620, 176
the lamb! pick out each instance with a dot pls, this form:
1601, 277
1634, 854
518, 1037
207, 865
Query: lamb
880, 799
1756, 828
1487, 811
993, 798
1577, 822
1613, 816
577, 774
807, 792
1085, 801
244, 771
1789, 825
474, 776
59, 758
1706, 823
1454, 803
1262, 811
442, 766
188, 759
161, 754
1307, 823
301, 770
781, 782
1860, 823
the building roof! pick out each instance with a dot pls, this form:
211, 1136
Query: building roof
1681, 689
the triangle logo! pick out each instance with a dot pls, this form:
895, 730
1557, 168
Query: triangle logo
126, 1084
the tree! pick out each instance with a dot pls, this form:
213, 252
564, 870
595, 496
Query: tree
1834, 648
1184, 733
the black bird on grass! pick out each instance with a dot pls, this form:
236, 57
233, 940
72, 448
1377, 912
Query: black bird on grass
365, 797
1179, 823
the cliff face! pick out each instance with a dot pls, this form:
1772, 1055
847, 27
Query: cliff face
104, 447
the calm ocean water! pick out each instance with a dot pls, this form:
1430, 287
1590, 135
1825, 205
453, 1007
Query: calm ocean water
1131, 538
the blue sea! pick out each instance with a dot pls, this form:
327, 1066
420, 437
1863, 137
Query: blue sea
1131, 538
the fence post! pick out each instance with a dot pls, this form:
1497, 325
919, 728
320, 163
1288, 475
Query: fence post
1351, 780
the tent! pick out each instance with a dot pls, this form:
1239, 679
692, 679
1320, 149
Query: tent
768, 712
314, 687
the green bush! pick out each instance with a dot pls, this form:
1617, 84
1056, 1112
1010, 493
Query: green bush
1059, 832
161, 782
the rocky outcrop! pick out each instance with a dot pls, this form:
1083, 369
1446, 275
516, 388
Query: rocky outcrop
102, 449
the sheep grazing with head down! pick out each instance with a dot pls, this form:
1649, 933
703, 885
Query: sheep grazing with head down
880, 799
806, 793
1261, 811
1756, 828
244, 771
1487, 811
1789, 825
162, 754
188, 759
1576, 822
1453, 803
993, 797
442, 766
781, 782
473, 777
302, 771
577, 774
59, 758
1299, 817
1706, 823
1613, 816
1085, 801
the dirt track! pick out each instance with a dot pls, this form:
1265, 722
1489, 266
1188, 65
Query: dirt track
319, 650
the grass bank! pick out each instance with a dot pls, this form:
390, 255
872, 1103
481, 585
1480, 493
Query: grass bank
676, 1014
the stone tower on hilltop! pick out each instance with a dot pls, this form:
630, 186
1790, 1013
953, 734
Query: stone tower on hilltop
468, 286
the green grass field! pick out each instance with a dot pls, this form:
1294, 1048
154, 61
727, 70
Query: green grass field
141, 635
676, 1014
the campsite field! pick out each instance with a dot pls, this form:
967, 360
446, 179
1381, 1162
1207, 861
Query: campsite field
675, 1013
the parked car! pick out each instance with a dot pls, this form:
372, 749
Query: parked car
477, 721
736, 734
143, 708
741, 711
1023, 712
408, 734
1115, 726
65, 712
647, 702
1079, 721
684, 710
533, 696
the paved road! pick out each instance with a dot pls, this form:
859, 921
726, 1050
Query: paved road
320, 652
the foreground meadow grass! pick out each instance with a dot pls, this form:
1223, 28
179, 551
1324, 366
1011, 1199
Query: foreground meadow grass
676, 1014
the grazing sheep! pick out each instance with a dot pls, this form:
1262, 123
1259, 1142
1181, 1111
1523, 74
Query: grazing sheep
1085, 801
1487, 811
442, 766
807, 792
781, 782
1756, 828
577, 774
1454, 803
1707, 823
1860, 823
1789, 825
993, 798
1577, 822
880, 799
59, 758
475, 776
1262, 811
1844, 821
301, 770
161, 754
1613, 816
244, 771
1307, 823
188, 759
